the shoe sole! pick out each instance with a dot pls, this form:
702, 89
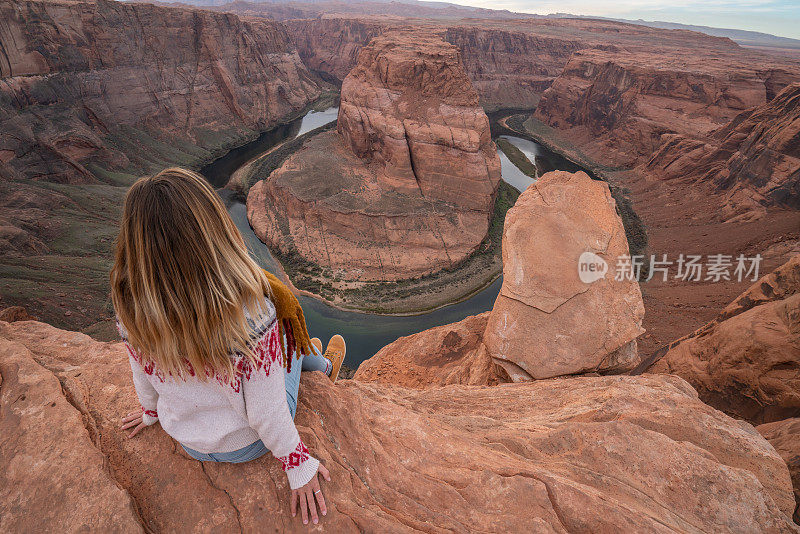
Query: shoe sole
338, 367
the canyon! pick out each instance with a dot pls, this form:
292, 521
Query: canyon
465, 451
95, 94
660, 404
406, 185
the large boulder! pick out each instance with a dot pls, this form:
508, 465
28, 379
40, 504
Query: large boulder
785, 437
747, 361
406, 185
566, 455
546, 321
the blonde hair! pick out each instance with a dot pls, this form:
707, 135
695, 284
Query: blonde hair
182, 277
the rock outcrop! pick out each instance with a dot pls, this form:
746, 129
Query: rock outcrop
546, 321
756, 155
94, 94
409, 107
449, 354
785, 437
576, 455
405, 187
747, 362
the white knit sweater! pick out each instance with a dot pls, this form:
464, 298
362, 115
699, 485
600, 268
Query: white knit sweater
217, 416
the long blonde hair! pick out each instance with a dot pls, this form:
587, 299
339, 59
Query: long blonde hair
182, 277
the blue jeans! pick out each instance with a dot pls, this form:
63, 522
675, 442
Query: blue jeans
313, 362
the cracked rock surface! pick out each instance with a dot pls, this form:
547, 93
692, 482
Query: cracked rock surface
547, 321
565, 455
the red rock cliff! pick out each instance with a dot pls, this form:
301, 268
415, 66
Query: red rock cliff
756, 157
99, 93
618, 105
602, 454
407, 184
78, 75
409, 107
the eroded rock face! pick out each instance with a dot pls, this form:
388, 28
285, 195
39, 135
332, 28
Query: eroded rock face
785, 437
400, 459
617, 105
448, 354
76, 72
756, 155
406, 186
409, 108
546, 322
96, 93
781, 283
746, 362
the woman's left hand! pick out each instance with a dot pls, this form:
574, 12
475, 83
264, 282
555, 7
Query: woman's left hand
133, 419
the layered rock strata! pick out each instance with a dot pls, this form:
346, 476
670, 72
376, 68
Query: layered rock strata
406, 185
755, 157
617, 105
77, 74
94, 94
493, 459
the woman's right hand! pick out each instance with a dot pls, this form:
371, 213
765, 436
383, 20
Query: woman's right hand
310, 496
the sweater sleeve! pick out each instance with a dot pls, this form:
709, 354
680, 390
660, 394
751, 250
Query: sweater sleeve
264, 392
148, 396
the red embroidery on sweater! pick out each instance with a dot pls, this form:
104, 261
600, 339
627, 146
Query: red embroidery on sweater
151, 413
265, 353
296, 458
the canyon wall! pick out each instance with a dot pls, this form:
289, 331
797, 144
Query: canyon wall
330, 45
404, 187
79, 78
511, 68
618, 105
507, 68
756, 156
94, 94
674, 114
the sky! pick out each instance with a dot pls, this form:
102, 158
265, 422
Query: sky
778, 17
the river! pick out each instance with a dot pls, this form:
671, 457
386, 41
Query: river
365, 333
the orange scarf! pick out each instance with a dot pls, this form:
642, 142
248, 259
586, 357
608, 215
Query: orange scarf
291, 321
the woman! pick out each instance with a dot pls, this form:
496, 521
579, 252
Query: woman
216, 344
